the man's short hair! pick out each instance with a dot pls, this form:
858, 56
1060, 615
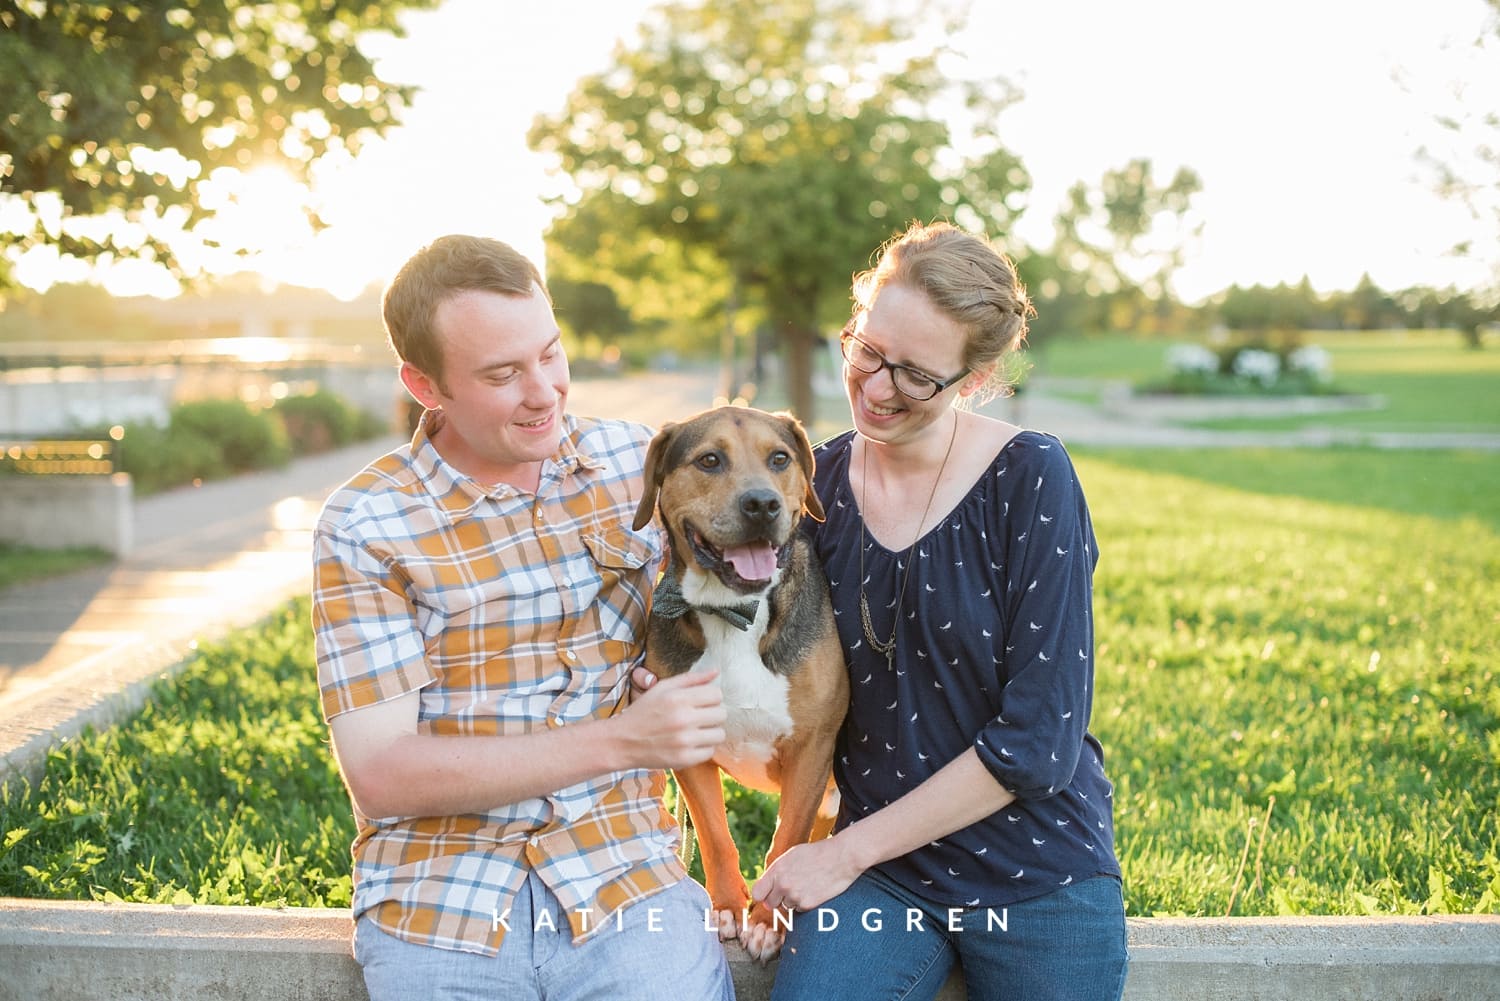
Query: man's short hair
434, 274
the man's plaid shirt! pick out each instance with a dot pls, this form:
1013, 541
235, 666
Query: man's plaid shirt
508, 612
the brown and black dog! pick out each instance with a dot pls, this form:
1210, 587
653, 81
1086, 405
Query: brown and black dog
744, 594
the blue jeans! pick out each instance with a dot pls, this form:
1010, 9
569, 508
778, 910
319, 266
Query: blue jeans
658, 948
879, 941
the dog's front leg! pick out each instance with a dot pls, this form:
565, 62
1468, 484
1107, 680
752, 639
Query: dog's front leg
701, 787
804, 782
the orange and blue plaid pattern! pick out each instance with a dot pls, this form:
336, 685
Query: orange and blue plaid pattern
508, 611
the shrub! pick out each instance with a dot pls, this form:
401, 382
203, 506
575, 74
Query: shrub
208, 440
317, 422
160, 458
1257, 365
1311, 362
247, 439
1241, 368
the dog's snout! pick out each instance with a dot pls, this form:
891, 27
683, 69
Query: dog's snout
760, 505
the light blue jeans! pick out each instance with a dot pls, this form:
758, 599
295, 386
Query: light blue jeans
658, 949
878, 941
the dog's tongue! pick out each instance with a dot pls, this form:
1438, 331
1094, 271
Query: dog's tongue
756, 561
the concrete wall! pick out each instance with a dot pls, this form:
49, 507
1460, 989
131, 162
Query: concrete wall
55, 400
62, 512
140, 952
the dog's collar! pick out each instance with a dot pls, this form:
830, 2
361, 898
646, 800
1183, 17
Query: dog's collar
668, 602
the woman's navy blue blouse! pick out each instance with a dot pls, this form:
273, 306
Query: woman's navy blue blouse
994, 650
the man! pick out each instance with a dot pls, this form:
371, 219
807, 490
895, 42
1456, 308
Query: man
479, 603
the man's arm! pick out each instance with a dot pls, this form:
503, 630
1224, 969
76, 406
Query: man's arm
393, 771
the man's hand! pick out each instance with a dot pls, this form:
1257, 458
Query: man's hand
673, 723
641, 681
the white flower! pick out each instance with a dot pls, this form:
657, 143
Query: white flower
1312, 361
1257, 365
1192, 359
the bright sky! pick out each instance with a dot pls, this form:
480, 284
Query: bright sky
1292, 112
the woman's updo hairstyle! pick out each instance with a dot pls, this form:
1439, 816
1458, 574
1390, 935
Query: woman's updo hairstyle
969, 281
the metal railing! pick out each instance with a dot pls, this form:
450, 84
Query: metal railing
57, 456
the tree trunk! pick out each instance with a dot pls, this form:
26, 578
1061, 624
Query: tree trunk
798, 345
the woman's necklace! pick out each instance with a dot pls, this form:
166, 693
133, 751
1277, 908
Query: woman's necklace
888, 647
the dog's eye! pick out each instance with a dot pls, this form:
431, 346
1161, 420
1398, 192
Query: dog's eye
709, 461
779, 460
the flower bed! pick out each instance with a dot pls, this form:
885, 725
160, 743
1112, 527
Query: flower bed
1246, 370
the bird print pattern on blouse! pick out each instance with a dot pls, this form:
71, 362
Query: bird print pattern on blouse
993, 652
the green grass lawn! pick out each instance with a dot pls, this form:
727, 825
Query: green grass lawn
1297, 692
1116, 356
1434, 483
19, 564
221, 791
1296, 696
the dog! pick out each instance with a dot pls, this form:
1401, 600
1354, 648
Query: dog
744, 594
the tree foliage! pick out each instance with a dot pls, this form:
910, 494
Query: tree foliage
588, 309
1465, 162
127, 109
1130, 231
1287, 308
783, 142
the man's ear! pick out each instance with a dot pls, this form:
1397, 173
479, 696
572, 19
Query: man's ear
422, 387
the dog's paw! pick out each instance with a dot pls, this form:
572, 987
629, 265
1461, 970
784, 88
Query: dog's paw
762, 942
728, 924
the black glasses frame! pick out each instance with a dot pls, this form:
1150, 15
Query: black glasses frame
939, 385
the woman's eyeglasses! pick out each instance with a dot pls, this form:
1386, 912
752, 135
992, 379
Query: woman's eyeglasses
912, 383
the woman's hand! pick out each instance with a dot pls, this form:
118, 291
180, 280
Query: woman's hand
808, 875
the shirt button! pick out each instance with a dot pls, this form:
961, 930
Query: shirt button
570, 655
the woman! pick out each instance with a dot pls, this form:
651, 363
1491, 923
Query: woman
976, 818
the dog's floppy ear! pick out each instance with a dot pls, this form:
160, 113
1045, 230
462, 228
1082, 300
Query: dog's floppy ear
656, 454
799, 438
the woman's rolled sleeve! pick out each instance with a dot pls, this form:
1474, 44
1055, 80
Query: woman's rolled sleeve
1032, 747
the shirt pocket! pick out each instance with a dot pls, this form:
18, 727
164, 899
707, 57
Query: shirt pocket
619, 548
624, 565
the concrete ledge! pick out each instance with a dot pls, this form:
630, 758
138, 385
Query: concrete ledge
73, 951
62, 512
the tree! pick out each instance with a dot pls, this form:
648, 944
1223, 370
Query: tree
785, 140
1465, 158
127, 109
1128, 233
588, 309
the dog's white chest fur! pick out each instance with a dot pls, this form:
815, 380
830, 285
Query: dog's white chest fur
754, 696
